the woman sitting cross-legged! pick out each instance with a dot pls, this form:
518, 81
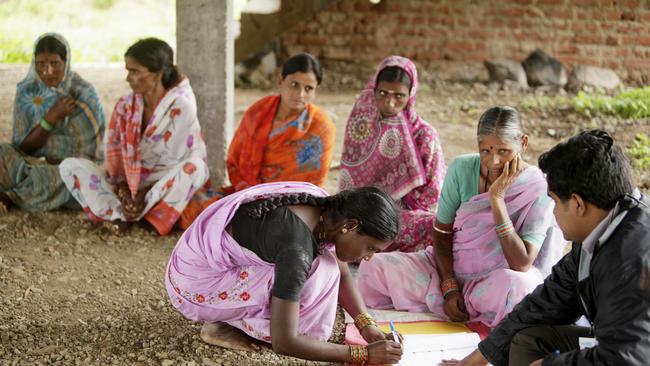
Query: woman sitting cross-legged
57, 115
270, 261
495, 235
282, 137
155, 153
387, 145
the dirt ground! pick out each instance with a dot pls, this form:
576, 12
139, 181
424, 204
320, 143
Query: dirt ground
72, 294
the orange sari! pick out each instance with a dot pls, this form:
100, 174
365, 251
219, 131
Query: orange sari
299, 149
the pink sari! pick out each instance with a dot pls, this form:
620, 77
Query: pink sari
211, 278
401, 155
490, 288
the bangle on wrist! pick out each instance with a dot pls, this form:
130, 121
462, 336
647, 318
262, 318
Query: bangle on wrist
358, 354
363, 320
442, 231
448, 286
45, 124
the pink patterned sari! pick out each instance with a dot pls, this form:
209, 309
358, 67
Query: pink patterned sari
409, 281
211, 278
400, 154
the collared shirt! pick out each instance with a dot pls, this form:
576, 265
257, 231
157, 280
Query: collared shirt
590, 242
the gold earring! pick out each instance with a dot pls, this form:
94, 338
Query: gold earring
366, 258
344, 230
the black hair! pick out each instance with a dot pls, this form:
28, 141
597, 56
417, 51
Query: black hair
156, 55
376, 212
302, 62
589, 165
501, 121
51, 45
392, 74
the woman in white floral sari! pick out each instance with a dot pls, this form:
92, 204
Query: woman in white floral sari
155, 153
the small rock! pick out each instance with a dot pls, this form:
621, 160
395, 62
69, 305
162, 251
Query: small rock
500, 70
542, 69
551, 132
597, 77
208, 362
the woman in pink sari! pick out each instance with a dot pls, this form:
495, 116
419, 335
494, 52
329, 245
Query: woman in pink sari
387, 145
495, 235
268, 263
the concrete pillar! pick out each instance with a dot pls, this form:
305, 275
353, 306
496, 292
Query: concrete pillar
205, 53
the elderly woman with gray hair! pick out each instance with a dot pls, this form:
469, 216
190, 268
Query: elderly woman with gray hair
495, 237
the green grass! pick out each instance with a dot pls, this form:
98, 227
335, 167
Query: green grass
544, 102
98, 31
630, 104
640, 151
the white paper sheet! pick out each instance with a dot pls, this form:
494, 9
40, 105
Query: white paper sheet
431, 349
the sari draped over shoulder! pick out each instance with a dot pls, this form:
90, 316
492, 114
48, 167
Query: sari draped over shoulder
33, 181
410, 281
167, 159
401, 155
210, 277
299, 149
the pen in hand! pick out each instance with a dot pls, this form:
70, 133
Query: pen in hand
394, 332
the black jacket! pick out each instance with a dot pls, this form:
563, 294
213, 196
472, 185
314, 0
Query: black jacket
616, 297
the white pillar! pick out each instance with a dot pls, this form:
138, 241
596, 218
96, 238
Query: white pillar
205, 53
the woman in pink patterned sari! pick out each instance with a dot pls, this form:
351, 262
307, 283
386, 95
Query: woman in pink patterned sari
155, 154
268, 263
387, 145
495, 236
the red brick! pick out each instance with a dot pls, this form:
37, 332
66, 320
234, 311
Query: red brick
644, 40
622, 52
592, 26
312, 40
550, 2
589, 39
613, 64
637, 64
429, 55
628, 40
475, 56
568, 49
480, 34
512, 12
466, 46
629, 3
584, 2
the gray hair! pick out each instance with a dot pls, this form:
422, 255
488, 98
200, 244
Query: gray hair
502, 122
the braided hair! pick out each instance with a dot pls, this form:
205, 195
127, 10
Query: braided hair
376, 212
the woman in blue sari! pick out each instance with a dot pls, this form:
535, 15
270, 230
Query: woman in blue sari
57, 115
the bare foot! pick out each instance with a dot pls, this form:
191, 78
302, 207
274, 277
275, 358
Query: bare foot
226, 336
117, 227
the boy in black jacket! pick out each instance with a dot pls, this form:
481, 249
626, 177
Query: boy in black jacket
605, 277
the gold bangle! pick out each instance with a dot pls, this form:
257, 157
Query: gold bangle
363, 320
358, 354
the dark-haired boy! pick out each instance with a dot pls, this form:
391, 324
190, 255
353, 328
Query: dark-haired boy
605, 277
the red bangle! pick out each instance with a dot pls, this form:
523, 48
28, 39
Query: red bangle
449, 285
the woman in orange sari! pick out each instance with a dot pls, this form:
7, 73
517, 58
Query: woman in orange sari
282, 137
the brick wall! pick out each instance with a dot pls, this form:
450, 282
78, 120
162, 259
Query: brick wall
613, 33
